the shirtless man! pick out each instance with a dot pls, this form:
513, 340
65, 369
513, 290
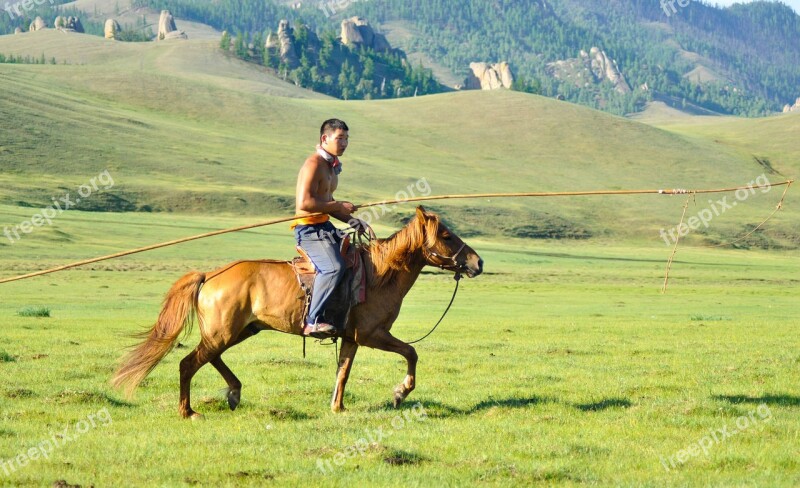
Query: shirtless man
318, 179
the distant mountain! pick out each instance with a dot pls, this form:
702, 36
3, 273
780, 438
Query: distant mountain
614, 55
743, 60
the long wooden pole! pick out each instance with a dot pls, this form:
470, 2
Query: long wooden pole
385, 202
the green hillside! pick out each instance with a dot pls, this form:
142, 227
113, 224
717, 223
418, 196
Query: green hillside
179, 134
739, 60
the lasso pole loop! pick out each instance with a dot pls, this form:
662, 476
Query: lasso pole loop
675, 248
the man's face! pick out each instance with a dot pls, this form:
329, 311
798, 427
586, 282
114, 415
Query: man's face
335, 142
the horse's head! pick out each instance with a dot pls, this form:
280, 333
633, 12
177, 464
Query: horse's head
443, 249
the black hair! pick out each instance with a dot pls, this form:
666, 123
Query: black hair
332, 125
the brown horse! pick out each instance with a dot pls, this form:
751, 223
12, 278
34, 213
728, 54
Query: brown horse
244, 298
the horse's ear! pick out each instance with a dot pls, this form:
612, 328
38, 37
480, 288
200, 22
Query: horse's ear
422, 213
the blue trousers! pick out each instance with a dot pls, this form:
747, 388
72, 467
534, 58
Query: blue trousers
322, 244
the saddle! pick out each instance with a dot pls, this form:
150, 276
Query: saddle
349, 292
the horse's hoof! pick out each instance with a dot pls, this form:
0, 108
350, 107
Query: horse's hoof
399, 395
338, 409
196, 417
234, 397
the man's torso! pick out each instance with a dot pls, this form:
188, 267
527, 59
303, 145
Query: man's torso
324, 180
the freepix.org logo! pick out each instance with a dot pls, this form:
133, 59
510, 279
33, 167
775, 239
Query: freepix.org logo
715, 209
332, 7
56, 440
18, 9
101, 182
668, 6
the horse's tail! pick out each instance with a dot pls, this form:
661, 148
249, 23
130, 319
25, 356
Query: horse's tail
180, 303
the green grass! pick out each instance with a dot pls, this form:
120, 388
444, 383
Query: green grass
34, 312
563, 364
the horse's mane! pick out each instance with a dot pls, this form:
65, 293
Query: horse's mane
394, 254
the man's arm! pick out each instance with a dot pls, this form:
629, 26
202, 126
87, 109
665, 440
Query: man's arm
308, 194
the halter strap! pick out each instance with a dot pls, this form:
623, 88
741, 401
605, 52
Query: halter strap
452, 258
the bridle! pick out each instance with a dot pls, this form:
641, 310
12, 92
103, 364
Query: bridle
453, 264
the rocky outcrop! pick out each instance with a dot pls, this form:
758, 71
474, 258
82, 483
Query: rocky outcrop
272, 40
283, 43
589, 68
486, 76
792, 108
74, 24
68, 24
605, 68
37, 24
167, 28
357, 31
111, 29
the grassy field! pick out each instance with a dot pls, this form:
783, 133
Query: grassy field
562, 364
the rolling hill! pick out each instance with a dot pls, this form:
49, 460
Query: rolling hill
184, 128
740, 60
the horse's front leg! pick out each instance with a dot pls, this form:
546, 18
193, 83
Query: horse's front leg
346, 357
385, 341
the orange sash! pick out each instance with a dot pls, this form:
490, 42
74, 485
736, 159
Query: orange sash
316, 219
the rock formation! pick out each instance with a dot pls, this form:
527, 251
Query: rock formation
167, 28
592, 67
605, 68
283, 42
37, 24
357, 31
272, 40
792, 108
74, 24
111, 29
68, 24
486, 76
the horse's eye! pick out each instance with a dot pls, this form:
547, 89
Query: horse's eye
447, 236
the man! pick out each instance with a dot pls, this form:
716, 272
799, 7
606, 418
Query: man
316, 235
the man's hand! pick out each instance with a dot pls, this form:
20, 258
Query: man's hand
348, 208
362, 228
341, 210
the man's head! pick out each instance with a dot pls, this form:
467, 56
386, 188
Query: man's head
333, 136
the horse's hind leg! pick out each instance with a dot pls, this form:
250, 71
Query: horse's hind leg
234, 394
384, 341
189, 366
206, 352
346, 358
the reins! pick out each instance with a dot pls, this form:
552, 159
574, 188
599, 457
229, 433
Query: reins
457, 277
335, 340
